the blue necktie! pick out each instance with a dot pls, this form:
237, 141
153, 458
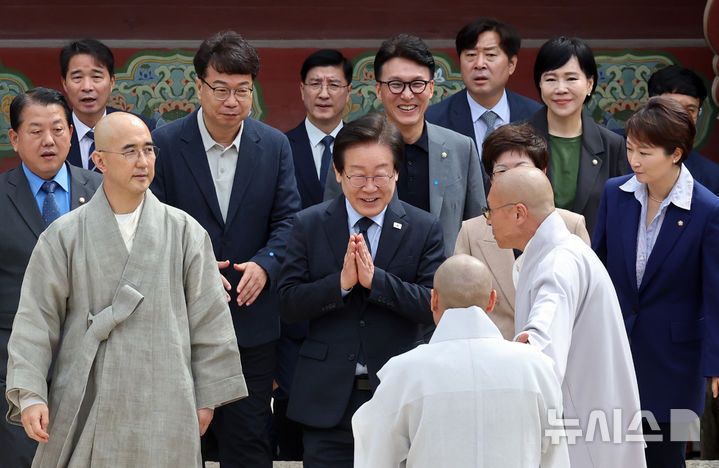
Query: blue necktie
90, 163
363, 224
489, 118
326, 158
50, 209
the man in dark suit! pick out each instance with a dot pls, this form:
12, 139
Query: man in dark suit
87, 70
487, 51
32, 195
235, 176
325, 91
359, 267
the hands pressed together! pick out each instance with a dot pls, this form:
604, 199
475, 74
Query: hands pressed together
251, 284
357, 265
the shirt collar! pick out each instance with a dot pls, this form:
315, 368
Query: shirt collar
35, 181
465, 323
207, 140
423, 141
353, 216
501, 108
316, 135
80, 128
680, 195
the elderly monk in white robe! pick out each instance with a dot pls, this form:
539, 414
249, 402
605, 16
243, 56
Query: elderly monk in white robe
468, 398
148, 349
566, 306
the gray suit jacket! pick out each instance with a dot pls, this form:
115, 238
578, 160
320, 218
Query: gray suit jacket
456, 190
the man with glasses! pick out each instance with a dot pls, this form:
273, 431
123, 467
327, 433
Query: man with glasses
441, 173
359, 267
123, 296
235, 176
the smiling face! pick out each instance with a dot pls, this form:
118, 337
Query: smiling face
325, 107
223, 116
486, 69
564, 90
43, 139
405, 110
88, 86
369, 160
651, 164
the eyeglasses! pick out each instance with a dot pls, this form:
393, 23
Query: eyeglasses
358, 181
222, 94
398, 86
502, 168
487, 211
333, 87
150, 152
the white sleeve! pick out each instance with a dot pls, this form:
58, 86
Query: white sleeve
28, 398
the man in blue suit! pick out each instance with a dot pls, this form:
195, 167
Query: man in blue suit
235, 176
359, 267
487, 51
87, 70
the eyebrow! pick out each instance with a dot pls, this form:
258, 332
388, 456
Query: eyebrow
92, 70
224, 83
132, 145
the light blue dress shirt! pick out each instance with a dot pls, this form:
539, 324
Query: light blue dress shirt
62, 192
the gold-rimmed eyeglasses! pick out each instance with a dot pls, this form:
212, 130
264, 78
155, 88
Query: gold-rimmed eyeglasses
487, 211
150, 152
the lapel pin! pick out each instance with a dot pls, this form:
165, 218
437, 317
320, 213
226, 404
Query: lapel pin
444, 155
397, 225
81, 199
680, 223
594, 162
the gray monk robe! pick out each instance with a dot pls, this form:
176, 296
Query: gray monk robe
147, 339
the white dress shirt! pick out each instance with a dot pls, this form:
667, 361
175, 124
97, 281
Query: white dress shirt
315, 136
85, 141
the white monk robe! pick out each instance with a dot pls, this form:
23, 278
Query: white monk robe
469, 398
567, 303
147, 339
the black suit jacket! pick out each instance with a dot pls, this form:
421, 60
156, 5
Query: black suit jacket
74, 158
603, 156
264, 198
308, 183
384, 320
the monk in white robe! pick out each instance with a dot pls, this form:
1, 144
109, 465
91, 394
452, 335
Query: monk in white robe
567, 307
125, 293
468, 398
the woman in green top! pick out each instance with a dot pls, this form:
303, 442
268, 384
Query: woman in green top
583, 154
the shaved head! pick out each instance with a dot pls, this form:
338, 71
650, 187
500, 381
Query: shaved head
116, 124
463, 281
529, 186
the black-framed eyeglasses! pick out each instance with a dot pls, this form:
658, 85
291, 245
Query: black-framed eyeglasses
398, 86
150, 152
222, 94
333, 87
359, 181
487, 211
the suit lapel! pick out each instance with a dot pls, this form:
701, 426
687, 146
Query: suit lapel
305, 163
438, 171
676, 222
247, 159
461, 116
73, 156
630, 211
80, 191
193, 152
21, 196
393, 230
335, 224
591, 158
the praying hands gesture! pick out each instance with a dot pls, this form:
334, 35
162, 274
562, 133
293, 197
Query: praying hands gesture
358, 266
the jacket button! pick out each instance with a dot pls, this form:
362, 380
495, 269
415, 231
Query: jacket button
362, 323
635, 309
350, 357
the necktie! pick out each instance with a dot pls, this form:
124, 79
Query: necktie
90, 164
489, 118
50, 209
363, 224
326, 158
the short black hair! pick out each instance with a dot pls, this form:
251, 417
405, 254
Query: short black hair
227, 52
676, 79
92, 47
370, 128
404, 46
509, 39
327, 58
41, 96
558, 51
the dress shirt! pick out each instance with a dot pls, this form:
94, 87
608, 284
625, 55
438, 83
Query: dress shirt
62, 192
85, 141
222, 162
315, 135
413, 182
680, 196
480, 128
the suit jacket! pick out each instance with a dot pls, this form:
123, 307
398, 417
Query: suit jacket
672, 318
264, 198
603, 155
456, 190
476, 239
454, 113
74, 158
384, 320
308, 183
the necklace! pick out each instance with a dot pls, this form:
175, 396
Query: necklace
652, 198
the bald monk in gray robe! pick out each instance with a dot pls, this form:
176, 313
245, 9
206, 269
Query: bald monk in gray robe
126, 293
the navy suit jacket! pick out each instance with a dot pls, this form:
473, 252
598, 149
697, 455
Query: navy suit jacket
453, 113
308, 183
74, 158
672, 318
263, 200
384, 319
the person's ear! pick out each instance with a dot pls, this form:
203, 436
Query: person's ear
492, 301
99, 159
